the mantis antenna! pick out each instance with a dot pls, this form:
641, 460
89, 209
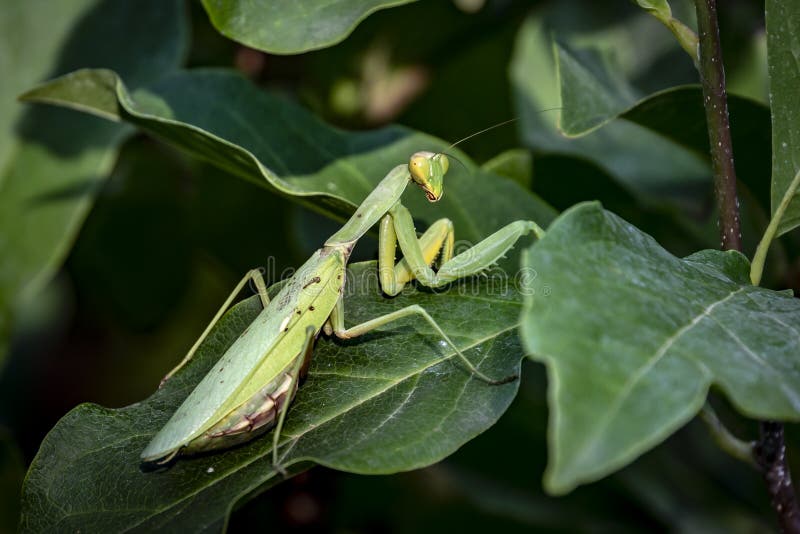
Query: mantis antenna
492, 127
450, 156
479, 132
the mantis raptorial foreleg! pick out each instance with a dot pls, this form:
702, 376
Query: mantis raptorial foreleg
398, 227
438, 241
337, 320
257, 279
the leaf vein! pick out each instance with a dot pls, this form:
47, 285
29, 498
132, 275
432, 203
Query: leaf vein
643, 370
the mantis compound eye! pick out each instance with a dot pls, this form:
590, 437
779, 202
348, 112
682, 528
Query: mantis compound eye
427, 170
420, 168
444, 162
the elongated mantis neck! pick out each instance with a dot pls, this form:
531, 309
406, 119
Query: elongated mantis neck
385, 195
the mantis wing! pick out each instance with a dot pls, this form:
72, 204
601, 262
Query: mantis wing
260, 356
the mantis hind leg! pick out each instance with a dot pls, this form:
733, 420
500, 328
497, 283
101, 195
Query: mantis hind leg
398, 227
303, 358
261, 287
337, 320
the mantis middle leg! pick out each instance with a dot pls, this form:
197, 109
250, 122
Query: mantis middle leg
337, 322
305, 354
257, 278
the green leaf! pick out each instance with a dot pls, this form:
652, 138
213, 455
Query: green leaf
392, 401
588, 182
783, 21
590, 95
641, 160
278, 145
675, 113
595, 94
54, 161
633, 338
678, 115
291, 27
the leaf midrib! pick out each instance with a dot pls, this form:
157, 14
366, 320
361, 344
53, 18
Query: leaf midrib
634, 379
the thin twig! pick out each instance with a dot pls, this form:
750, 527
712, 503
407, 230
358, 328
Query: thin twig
770, 451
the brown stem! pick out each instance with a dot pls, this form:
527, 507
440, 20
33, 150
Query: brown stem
770, 451
712, 75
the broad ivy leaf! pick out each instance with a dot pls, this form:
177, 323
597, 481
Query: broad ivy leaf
783, 22
633, 337
391, 401
224, 119
291, 27
53, 162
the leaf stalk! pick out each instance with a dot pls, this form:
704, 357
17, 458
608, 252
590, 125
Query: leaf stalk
757, 267
739, 449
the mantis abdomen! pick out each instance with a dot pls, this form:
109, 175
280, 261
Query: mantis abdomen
254, 417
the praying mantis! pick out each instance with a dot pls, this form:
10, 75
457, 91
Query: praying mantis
249, 390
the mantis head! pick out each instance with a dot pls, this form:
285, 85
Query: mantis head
427, 170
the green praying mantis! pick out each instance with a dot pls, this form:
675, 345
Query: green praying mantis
250, 388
